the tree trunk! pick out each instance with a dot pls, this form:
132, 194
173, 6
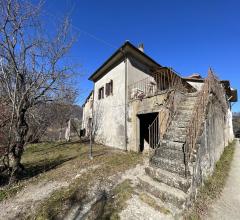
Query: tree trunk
17, 148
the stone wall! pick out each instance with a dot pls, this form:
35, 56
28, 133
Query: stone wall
215, 136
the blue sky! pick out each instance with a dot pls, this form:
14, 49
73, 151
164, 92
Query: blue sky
189, 36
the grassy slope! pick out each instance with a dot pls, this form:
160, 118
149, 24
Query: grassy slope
62, 162
62, 200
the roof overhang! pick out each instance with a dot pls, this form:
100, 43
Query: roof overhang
120, 54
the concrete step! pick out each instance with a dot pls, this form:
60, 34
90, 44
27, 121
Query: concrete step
170, 154
160, 190
170, 165
172, 145
168, 178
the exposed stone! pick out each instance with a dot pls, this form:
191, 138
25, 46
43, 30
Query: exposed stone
164, 192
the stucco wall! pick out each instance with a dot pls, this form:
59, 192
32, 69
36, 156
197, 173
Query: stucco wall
137, 70
109, 112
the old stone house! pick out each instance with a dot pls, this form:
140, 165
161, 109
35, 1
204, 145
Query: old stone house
183, 123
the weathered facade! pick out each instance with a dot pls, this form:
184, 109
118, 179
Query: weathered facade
87, 115
183, 123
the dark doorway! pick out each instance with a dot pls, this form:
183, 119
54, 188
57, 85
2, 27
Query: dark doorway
144, 121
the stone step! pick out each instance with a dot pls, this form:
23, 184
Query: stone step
168, 178
180, 123
176, 138
186, 107
176, 131
160, 190
191, 95
183, 115
170, 154
172, 145
170, 165
174, 211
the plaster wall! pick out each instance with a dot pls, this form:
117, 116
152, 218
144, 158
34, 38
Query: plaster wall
109, 112
137, 70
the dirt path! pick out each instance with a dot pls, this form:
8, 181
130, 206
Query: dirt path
228, 205
26, 201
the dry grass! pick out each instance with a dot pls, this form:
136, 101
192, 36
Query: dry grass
213, 186
54, 162
63, 161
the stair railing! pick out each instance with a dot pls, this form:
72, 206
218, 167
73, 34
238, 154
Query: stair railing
159, 126
211, 86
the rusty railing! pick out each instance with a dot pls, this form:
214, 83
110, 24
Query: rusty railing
161, 80
211, 86
156, 131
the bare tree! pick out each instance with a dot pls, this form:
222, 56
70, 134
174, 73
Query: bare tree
31, 68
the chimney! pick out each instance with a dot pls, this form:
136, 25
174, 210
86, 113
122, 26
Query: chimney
141, 47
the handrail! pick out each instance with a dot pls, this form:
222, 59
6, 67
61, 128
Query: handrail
211, 86
175, 84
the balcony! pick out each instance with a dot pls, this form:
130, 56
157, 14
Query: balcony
160, 81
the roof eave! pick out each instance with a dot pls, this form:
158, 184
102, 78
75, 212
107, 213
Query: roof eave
121, 52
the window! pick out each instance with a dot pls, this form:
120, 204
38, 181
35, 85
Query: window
101, 93
109, 88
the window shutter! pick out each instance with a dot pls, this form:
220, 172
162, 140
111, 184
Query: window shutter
106, 89
99, 93
111, 83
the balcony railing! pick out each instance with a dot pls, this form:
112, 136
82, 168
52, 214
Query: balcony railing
159, 81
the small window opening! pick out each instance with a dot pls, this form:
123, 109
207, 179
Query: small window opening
109, 88
101, 93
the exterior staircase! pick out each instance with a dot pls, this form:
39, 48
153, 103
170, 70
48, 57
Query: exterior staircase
166, 174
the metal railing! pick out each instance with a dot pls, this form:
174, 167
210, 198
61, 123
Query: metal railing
159, 126
161, 80
211, 86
